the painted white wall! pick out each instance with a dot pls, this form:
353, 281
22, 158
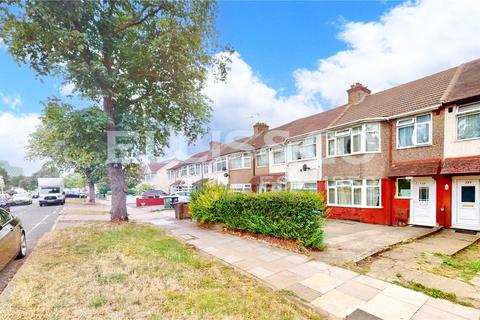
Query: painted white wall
293, 173
454, 148
276, 168
160, 178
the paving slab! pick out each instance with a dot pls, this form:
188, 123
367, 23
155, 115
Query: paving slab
427, 312
409, 296
304, 292
321, 282
337, 303
358, 290
456, 309
361, 315
372, 282
386, 307
260, 272
283, 279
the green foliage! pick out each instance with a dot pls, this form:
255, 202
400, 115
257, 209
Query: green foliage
283, 214
74, 180
143, 187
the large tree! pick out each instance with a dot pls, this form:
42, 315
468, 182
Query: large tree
147, 61
72, 140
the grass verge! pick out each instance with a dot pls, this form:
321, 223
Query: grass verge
435, 293
131, 271
464, 265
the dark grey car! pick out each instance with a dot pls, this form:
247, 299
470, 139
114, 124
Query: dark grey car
13, 243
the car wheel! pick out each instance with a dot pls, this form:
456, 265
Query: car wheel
22, 251
41, 204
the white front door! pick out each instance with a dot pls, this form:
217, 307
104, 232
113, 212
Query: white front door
466, 207
423, 202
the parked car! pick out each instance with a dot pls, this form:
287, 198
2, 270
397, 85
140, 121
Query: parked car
20, 199
35, 195
75, 194
13, 242
150, 194
4, 203
182, 196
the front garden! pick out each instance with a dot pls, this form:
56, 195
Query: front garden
294, 216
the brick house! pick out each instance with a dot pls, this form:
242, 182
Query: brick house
386, 157
156, 173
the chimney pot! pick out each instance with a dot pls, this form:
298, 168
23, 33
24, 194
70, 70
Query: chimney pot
259, 127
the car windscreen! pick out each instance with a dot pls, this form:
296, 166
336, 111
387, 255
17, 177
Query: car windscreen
49, 190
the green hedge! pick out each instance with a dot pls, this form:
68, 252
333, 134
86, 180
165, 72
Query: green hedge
296, 216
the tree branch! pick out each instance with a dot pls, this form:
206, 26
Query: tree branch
137, 21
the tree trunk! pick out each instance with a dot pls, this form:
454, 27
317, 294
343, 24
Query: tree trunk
118, 210
91, 191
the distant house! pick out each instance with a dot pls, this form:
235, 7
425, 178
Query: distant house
155, 173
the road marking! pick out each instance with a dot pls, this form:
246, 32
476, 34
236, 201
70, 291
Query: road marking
41, 221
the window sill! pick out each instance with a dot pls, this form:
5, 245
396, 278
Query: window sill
300, 160
354, 154
468, 139
415, 146
238, 169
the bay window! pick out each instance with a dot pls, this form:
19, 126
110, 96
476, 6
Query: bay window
354, 193
305, 149
360, 139
261, 159
468, 122
191, 170
184, 172
205, 168
240, 161
414, 131
278, 156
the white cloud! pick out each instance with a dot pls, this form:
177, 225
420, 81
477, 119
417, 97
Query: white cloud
67, 89
14, 131
244, 99
12, 101
412, 40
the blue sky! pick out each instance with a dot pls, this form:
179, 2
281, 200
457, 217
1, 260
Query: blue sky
291, 59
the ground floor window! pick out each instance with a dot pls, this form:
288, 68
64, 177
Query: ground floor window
304, 186
241, 187
355, 193
404, 188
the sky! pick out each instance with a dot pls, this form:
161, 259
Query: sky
291, 59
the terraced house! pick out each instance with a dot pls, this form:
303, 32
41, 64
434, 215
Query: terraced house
406, 155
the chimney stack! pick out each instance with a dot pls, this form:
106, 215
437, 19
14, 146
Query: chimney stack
214, 145
357, 92
259, 127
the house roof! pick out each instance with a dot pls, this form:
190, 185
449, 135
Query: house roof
467, 165
198, 157
415, 168
448, 85
297, 127
466, 84
154, 166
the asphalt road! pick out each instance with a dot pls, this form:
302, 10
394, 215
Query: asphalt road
36, 221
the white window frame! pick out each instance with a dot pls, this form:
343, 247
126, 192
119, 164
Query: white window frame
277, 150
262, 153
220, 161
413, 121
459, 113
332, 137
241, 187
303, 143
205, 168
302, 188
396, 188
335, 184
245, 159
184, 171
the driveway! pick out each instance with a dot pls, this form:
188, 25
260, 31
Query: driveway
37, 221
350, 241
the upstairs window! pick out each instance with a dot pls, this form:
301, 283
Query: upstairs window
360, 139
184, 172
415, 131
261, 159
205, 168
468, 122
240, 161
278, 156
305, 149
220, 165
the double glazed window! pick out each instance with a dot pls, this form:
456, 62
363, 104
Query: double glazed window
220, 165
361, 139
184, 171
241, 187
205, 168
278, 156
261, 159
356, 193
414, 131
305, 149
304, 186
468, 122
240, 161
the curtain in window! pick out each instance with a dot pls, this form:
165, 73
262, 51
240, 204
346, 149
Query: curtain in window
423, 133
469, 126
373, 193
344, 195
308, 151
235, 163
405, 136
278, 157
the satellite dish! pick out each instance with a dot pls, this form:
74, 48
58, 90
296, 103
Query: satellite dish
225, 175
305, 167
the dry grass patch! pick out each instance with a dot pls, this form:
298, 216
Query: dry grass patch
464, 265
130, 271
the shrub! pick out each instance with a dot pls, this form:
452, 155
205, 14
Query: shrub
282, 214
